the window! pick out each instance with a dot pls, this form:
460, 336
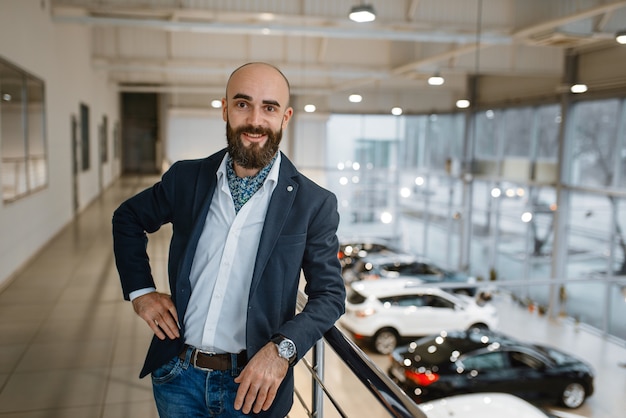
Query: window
439, 302
24, 159
593, 143
486, 361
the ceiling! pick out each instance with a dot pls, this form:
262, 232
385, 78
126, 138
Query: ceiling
187, 48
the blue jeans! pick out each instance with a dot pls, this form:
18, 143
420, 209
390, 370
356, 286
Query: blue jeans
183, 391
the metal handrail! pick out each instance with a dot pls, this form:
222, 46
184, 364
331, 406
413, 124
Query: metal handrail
390, 396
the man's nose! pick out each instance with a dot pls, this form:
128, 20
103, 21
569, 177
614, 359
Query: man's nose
255, 117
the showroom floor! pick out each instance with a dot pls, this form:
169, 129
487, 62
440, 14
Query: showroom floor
72, 348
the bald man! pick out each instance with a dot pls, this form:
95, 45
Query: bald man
245, 223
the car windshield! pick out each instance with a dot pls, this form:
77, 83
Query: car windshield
414, 268
558, 357
440, 348
436, 350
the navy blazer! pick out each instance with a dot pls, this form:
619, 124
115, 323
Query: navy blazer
299, 235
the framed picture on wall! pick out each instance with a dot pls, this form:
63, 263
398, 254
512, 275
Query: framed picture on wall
84, 136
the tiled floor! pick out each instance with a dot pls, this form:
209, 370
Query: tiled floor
70, 347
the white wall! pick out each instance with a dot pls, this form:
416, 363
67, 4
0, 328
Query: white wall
60, 56
194, 133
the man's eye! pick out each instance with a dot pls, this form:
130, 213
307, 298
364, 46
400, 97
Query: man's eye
271, 108
241, 104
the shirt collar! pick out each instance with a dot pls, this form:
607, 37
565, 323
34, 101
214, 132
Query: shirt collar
272, 176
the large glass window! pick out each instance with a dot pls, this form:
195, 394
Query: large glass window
593, 141
24, 166
499, 220
517, 131
486, 135
445, 139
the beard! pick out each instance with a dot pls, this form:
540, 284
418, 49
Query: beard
254, 156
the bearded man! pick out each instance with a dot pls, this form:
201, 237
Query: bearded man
246, 224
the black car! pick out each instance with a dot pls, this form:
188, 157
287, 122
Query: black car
352, 251
480, 361
405, 266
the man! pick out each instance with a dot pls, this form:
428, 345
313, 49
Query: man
245, 224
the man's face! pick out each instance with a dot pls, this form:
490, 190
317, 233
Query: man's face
256, 112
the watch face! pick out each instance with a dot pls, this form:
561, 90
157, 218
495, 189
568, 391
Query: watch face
286, 349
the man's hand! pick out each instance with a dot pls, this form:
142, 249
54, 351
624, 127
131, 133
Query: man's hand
260, 379
158, 310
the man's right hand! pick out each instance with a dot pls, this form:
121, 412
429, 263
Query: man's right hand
159, 312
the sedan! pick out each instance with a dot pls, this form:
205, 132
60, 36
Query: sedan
351, 251
403, 266
481, 361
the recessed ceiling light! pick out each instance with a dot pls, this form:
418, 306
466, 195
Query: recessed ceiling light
396, 111
362, 13
462, 103
436, 80
355, 98
310, 108
578, 88
216, 104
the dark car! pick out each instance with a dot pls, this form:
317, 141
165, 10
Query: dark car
479, 361
404, 266
350, 251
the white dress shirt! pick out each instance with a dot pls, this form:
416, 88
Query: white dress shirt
222, 267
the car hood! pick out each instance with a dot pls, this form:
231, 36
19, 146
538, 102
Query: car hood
484, 405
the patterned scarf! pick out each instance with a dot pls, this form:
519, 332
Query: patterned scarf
242, 188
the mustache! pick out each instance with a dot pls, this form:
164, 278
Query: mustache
255, 130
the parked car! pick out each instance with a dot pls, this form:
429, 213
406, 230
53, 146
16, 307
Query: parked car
488, 405
384, 313
459, 362
405, 266
350, 251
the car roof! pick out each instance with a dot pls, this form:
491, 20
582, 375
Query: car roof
391, 287
392, 257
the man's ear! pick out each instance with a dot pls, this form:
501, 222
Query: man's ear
224, 109
286, 116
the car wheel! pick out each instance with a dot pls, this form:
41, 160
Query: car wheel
478, 327
573, 395
385, 341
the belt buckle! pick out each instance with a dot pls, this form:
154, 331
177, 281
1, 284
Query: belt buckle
195, 359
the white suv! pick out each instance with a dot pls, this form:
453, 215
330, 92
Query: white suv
383, 312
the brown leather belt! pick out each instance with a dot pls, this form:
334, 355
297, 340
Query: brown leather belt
214, 361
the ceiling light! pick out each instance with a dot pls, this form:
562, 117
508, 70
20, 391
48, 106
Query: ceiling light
355, 98
436, 80
310, 108
216, 104
362, 13
578, 88
462, 103
620, 37
396, 111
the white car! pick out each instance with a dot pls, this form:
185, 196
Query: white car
383, 312
488, 405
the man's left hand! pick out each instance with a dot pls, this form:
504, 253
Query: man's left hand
260, 379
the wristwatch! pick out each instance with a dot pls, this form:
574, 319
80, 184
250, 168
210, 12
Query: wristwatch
286, 348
